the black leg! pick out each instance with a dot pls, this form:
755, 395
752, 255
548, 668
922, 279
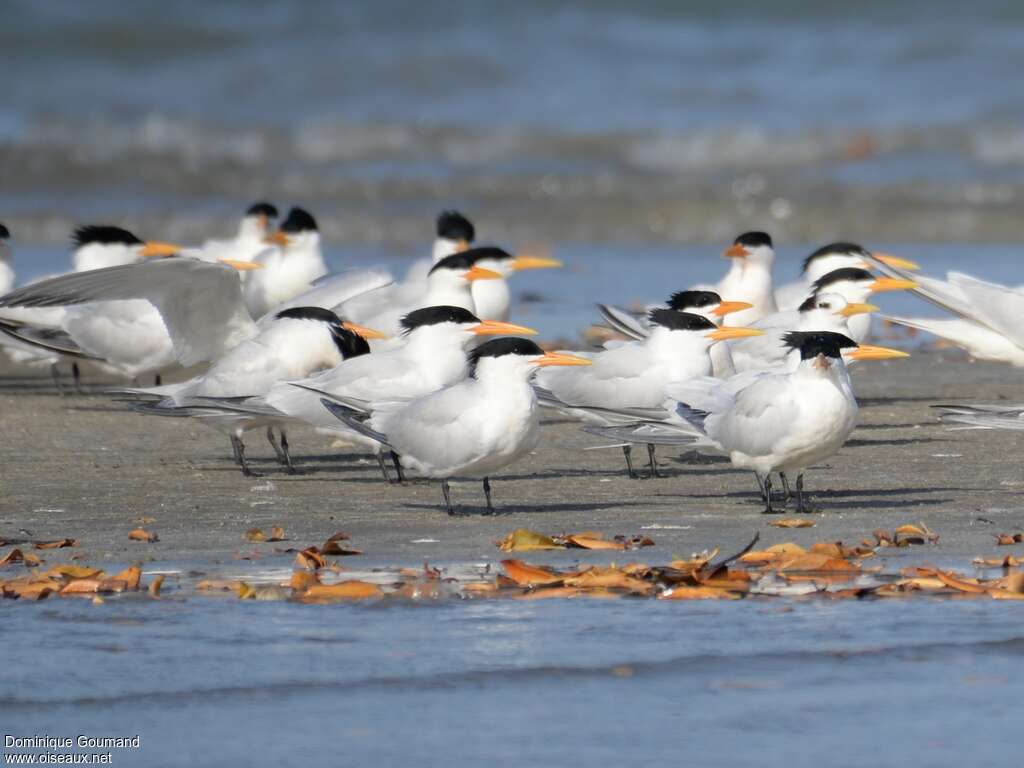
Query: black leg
487, 494
768, 510
398, 467
157, 380
273, 444
383, 467
654, 463
55, 375
240, 453
627, 451
287, 454
786, 494
760, 486
234, 450
800, 497
447, 497
76, 376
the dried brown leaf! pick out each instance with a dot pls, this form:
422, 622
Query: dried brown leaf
343, 590
255, 535
958, 583
74, 571
333, 546
303, 580
218, 584
12, 557
310, 558
525, 574
140, 534
155, 585
131, 576
584, 541
525, 540
698, 593
792, 522
608, 578
56, 544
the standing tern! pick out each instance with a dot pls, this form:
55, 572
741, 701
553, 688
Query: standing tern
827, 259
289, 269
767, 421
634, 374
430, 355
473, 428
749, 277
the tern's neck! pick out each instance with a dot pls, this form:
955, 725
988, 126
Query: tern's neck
448, 289
443, 248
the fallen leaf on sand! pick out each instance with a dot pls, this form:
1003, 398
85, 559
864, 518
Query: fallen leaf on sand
56, 544
792, 522
343, 590
144, 520
131, 576
1015, 582
589, 541
155, 585
963, 585
310, 558
12, 557
74, 571
1009, 539
29, 590
1004, 594
333, 546
607, 578
32, 560
303, 580
140, 534
477, 587
276, 534
817, 563
525, 574
772, 554
525, 540
996, 562
254, 535
92, 586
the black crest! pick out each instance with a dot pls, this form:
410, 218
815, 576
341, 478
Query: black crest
835, 249
262, 209
680, 321
103, 233
436, 315
5, 233
681, 300
466, 259
840, 275
814, 343
507, 345
753, 239
299, 220
349, 343
452, 225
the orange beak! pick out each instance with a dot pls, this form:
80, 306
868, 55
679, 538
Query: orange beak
891, 284
479, 273
366, 333
278, 238
736, 251
857, 309
896, 261
560, 358
241, 266
160, 249
498, 328
728, 307
871, 352
534, 262
724, 334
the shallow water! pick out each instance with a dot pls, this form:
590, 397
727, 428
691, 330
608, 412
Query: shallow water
211, 681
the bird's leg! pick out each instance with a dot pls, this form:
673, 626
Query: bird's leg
273, 444
157, 380
487, 494
654, 464
768, 510
240, 449
447, 497
760, 486
76, 377
287, 454
398, 467
800, 506
627, 451
55, 375
786, 495
383, 467
234, 450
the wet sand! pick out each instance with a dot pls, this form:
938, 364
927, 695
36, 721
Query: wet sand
84, 468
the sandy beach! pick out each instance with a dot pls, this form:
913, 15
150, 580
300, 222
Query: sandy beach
84, 468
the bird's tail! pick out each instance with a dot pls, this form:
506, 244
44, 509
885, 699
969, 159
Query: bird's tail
355, 420
982, 416
653, 433
623, 321
48, 339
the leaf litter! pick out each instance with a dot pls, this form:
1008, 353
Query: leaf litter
825, 569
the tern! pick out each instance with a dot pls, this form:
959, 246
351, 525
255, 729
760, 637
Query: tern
749, 277
634, 374
430, 355
289, 269
201, 306
473, 428
821, 312
856, 285
767, 421
704, 303
251, 239
986, 320
827, 259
